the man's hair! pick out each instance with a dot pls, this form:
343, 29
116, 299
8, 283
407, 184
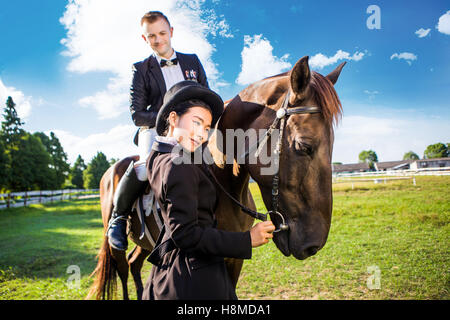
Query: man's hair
152, 16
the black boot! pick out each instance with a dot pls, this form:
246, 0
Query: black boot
128, 189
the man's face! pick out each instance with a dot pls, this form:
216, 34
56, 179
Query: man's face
158, 35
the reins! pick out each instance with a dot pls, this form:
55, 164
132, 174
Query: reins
281, 116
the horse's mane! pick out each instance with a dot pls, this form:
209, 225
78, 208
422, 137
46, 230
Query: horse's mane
324, 94
327, 98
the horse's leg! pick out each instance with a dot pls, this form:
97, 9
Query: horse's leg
234, 267
122, 268
135, 260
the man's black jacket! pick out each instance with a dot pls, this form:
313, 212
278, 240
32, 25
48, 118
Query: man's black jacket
148, 87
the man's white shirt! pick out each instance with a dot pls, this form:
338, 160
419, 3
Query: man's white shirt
172, 74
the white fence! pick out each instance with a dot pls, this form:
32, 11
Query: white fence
444, 171
22, 199
386, 176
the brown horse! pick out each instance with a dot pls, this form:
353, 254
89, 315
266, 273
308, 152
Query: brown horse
305, 192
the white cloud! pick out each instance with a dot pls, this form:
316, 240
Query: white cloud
371, 94
389, 137
407, 56
258, 60
421, 33
23, 102
443, 25
105, 35
319, 61
109, 103
116, 143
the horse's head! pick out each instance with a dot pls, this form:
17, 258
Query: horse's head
305, 181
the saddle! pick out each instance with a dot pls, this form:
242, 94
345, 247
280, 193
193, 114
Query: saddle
146, 209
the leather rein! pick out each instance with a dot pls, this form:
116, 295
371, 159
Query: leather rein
281, 117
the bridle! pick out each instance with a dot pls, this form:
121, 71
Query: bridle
281, 117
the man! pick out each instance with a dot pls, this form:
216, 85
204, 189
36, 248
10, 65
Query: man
152, 78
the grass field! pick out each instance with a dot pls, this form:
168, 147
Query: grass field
397, 229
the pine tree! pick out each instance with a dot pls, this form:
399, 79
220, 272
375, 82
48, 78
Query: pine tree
95, 170
58, 156
5, 167
76, 172
10, 135
11, 125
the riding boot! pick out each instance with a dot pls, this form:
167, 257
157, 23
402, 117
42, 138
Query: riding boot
128, 189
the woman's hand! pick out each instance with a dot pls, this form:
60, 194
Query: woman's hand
261, 233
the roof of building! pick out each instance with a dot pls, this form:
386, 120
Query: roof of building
362, 166
391, 164
434, 159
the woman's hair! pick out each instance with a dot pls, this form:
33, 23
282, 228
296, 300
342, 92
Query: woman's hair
182, 108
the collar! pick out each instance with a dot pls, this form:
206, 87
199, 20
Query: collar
159, 58
171, 140
164, 144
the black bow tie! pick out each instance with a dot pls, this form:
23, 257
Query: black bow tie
168, 63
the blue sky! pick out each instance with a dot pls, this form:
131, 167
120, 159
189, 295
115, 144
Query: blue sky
78, 87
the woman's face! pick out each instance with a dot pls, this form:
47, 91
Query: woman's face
191, 129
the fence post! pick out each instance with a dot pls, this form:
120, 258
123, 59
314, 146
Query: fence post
25, 200
8, 201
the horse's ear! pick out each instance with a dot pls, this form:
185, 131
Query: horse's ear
334, 75
300, 76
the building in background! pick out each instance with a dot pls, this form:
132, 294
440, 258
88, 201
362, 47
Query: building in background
392, 165
430, 163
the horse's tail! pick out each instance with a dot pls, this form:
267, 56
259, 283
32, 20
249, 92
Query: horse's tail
105, 284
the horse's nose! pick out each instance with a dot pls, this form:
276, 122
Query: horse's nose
312, 250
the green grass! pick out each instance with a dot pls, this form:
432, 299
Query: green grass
400, 228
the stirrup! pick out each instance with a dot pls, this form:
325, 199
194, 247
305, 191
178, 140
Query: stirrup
113, 220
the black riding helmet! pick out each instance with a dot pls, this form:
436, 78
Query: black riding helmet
182, 92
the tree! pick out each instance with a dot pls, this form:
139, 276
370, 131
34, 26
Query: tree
30, 168
368, 156
11, 125
30, 163
410, 155
95, 170
58, 156
76, 172
5, 167
437, 150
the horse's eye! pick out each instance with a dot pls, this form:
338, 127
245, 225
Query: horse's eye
302, 148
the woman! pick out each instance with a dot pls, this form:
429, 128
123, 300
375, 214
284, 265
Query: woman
189, 255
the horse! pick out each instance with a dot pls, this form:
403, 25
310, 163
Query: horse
304, 188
